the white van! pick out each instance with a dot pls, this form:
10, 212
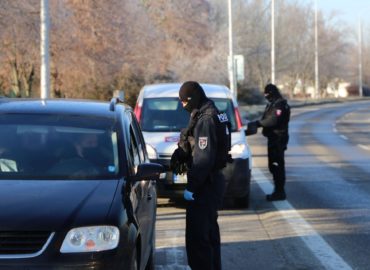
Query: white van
161, 117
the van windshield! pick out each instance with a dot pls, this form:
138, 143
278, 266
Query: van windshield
57, 147
167, 114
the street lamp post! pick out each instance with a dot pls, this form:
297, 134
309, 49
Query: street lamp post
44, 49
316, 95
231, 63
360, 88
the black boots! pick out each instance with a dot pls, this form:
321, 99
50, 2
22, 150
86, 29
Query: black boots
276, 196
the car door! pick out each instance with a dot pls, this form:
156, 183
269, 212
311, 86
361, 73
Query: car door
144, 191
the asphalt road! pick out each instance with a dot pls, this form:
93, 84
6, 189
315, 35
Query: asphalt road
324, 224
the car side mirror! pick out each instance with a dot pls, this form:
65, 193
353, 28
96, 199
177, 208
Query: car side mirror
148, 171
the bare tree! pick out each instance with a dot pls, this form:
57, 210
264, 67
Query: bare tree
99, 46
18, 53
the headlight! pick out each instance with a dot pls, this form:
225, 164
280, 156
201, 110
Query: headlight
237, 149
87, 239
152, 153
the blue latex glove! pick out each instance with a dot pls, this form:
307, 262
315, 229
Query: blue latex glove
188, 195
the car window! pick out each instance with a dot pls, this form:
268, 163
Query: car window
139, 138
134, 148
57, 147
163, 114
167, 114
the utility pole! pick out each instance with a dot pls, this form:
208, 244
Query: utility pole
44, 48
273, 41
360, 88
316, 95
231, 63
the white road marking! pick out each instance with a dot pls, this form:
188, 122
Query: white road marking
319, 247
343, 137
363, 146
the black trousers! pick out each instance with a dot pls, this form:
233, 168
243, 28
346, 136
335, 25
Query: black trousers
276, 162
203, 244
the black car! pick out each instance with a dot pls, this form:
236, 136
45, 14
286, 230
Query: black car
77, 190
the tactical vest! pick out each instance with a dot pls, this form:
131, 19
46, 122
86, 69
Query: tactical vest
281, 129
223, 135
223, 131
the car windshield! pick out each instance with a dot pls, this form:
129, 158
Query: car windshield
167, 114
57, 147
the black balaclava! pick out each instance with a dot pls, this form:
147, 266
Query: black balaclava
193, 93
272, 92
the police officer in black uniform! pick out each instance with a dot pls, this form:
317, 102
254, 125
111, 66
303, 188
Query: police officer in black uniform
275, 122
204, 147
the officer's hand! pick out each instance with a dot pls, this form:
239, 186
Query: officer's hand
174, 160
252, 128
188, 195
177, 165
182, 168
179, 168
178, 155
256, 123
184, 134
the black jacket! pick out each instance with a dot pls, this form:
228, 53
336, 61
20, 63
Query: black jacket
275, 119
210, 145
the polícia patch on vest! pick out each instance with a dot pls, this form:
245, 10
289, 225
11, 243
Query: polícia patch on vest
203, 142
222, 117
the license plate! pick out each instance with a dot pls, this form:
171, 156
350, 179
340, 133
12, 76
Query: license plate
180, 179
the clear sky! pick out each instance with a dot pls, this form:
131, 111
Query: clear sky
346, 10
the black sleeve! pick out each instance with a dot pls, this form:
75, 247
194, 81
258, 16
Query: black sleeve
204, 155
273, 117
252, 128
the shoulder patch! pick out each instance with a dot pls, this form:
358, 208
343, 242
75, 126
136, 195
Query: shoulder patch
278, 112
222, 117
203, 142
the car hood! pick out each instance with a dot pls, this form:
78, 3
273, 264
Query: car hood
54, 205
164, 143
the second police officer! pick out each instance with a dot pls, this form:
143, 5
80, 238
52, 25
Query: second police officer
274, 122
204, 147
